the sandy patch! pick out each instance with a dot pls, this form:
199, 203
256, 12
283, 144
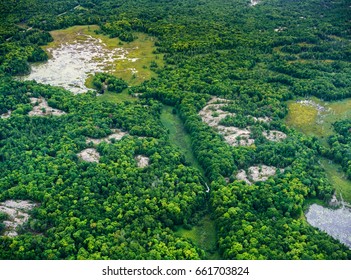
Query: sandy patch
274, 135
42, 108
17, 213
89, 155
117, 135
257, 173
6, 115
142, 161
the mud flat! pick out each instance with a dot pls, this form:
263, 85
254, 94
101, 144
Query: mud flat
142, 161
42, 108
17, 211
117, 135
336, 223
257, 173
89, 155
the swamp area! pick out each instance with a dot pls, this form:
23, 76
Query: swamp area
315, 117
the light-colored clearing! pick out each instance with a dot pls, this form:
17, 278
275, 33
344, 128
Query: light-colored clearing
6, 115
212, 114
336, 223
117, 135
274, 135
89, 155
280, 29
142, 161
254, 2
262, 119
257, 173
242, 176
17, 212
43, 109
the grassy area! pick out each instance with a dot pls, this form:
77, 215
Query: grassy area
203, 235
111, 96
116, 97
134, 69
338, 179
306, 119
301, 117
178, 136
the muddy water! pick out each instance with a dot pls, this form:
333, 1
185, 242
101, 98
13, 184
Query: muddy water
70, 64
336, 223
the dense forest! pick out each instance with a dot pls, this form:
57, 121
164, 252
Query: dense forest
254, 57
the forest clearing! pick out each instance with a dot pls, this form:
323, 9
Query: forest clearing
175, 130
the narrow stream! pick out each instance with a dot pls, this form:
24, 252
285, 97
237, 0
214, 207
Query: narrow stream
204, 233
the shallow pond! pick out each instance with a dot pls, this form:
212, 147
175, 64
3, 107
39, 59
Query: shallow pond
336, 223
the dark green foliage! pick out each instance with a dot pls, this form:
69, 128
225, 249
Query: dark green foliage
257, 57
340, 144
102, 81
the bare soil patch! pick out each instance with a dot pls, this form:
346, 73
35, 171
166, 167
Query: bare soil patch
6, 115
17, 211
257, 173
117, 135
42, 108
89, 155
142, 161
274, 135
212, 114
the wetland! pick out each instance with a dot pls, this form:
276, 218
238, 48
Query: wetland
78, 52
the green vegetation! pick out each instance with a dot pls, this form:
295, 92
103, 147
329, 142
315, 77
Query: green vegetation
177, 134
256, 57
338, 179
320, 122
311, 121
141, 49
103, 81
116, 98
203, 235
